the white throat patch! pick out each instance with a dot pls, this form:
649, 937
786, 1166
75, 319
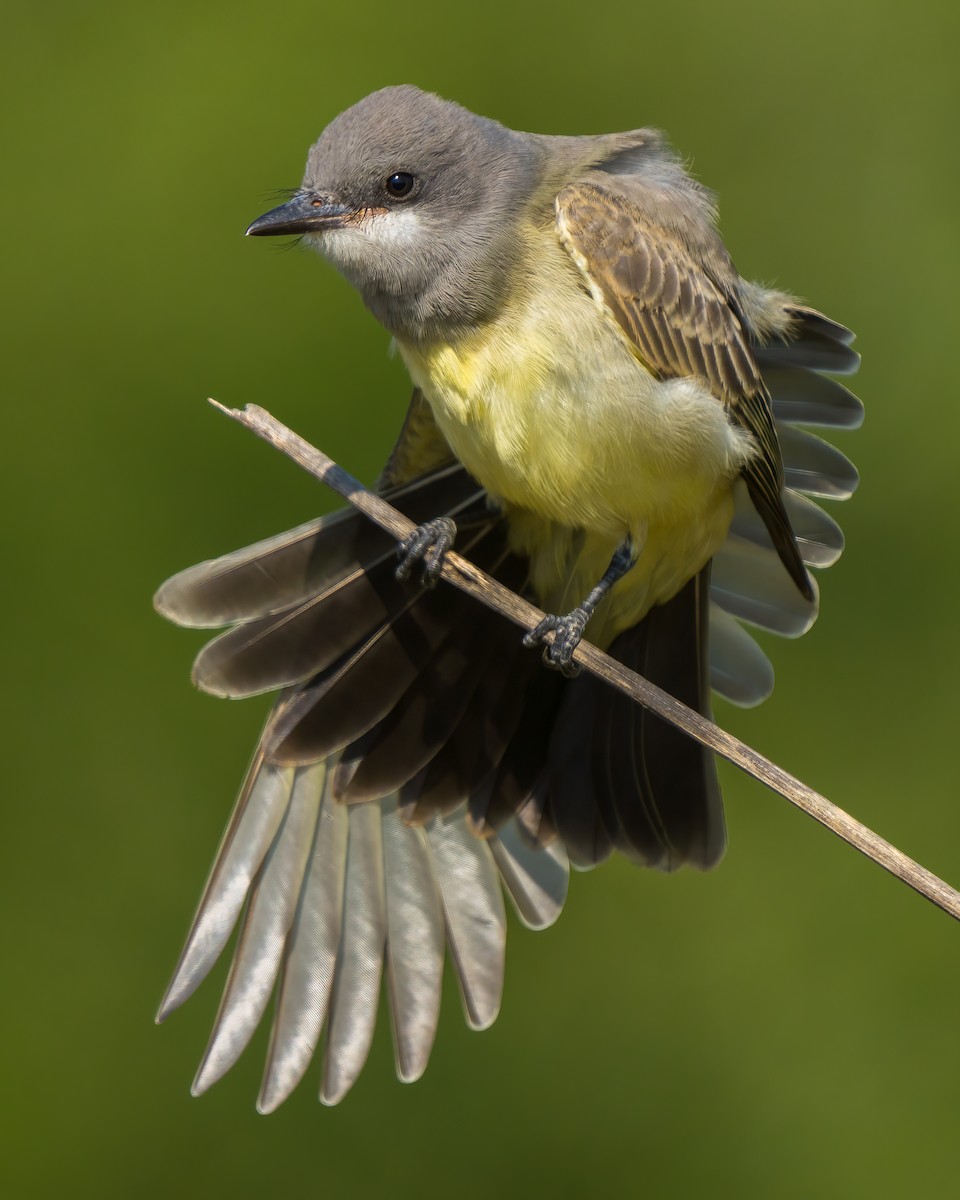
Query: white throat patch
378, 229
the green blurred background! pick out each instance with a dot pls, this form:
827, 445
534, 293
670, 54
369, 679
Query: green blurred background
786, 1026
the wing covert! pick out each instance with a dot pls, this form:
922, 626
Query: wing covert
681, 316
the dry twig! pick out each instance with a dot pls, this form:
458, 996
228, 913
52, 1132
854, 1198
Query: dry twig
464, 575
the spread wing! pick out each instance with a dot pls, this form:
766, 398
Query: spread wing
420, 446
677, 304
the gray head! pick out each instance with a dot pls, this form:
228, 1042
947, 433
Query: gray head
414, 200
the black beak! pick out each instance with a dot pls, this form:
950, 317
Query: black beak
305, 213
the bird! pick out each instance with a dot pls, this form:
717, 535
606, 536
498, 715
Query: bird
607, 418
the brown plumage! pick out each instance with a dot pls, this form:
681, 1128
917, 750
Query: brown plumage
680, 309
417, 757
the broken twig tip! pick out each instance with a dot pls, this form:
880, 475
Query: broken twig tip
466, 576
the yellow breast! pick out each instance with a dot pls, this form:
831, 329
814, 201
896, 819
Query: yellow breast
551, 410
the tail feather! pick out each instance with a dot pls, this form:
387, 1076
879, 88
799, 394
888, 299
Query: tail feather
663, 785
622, 778
588, 834
466, 767
680, 775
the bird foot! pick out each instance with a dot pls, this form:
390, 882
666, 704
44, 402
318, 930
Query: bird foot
567, 631
428, 544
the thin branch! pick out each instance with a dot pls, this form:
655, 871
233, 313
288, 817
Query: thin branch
464, 575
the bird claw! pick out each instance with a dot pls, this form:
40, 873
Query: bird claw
567, 632
428, 544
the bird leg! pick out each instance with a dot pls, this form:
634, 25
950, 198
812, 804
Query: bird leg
568, 629
428, 544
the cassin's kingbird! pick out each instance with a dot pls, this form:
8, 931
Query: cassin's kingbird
609, 415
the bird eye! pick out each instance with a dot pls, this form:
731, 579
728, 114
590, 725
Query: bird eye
400, 184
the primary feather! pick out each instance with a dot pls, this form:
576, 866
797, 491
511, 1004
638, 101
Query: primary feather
589, 367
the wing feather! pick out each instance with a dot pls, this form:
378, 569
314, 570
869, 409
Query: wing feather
271, 910
310, 953
678, 306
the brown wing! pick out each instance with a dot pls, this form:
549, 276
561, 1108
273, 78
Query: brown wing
420, 446
677, 305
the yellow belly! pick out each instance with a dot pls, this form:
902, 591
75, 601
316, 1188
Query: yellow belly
552, 412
